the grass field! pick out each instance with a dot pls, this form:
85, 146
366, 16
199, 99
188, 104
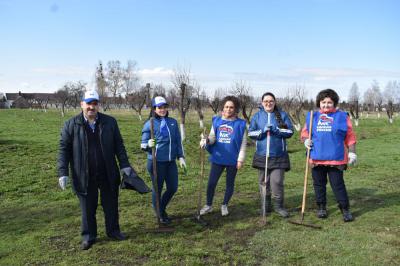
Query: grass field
40, 224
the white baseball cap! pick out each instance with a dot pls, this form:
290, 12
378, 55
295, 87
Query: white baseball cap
158, 101
91, 96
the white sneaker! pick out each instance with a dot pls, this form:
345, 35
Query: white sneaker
205, 209
224, 210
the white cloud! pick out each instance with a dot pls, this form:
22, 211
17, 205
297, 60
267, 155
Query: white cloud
157, 72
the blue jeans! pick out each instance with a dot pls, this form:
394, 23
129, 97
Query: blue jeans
215, 174
166, 172
319, 174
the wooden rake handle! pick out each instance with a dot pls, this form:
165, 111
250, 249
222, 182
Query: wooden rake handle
303, 204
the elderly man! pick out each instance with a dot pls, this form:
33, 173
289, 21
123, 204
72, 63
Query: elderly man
89, 146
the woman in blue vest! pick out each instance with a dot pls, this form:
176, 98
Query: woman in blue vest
277, 122
226, 144
333, 146
168, 145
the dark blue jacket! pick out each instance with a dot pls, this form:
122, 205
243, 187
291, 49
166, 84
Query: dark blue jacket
168, 147
73, 154
278, 135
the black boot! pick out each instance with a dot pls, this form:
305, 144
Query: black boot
278, 207
347, 216
321, 211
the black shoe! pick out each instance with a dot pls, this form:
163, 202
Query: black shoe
164, 219
86, 244
117, 236
347, 216
321, 212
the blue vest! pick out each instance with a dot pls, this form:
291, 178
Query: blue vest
229, 136
328, 134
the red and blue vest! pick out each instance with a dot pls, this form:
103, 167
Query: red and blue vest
328, 134
229, 136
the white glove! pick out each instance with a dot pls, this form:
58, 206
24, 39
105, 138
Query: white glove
308, 143
62, 181
352, 158
182, 163
126, 171
151, 143
203, 143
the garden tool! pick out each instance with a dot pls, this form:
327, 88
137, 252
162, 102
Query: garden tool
263, 189
303, 205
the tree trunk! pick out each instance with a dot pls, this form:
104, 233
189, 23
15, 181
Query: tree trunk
297, 126
201, 122
356, 122
182, 127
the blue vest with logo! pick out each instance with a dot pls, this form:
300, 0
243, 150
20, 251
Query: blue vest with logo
229, 136
328, 134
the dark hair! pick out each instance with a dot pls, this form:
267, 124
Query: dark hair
233, 99
328, 93
278, 116
153, 113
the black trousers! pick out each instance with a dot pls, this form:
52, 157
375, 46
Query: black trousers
88, 204
320, 174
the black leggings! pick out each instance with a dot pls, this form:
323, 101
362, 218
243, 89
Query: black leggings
320, 174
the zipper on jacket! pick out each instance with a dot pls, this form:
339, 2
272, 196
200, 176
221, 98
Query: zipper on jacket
169, 134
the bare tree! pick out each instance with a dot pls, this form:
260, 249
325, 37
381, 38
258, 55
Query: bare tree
181, 80
378, 97
159, 90
62, 96
172, 98
114, 78
354, 100
294, 103
369, 103
391, 92
130, 78
76, 93
215, 102
100, 80
247, 102
137, 99
199, 101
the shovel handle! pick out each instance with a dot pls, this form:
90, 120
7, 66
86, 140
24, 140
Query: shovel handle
155, 177
303, 204
202, 162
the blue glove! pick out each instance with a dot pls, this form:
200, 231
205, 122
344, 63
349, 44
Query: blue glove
269, 127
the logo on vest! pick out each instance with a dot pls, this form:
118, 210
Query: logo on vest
225, 133
325, 123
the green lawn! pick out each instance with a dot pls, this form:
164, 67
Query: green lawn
40, 224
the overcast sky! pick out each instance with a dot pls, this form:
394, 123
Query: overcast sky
272, 44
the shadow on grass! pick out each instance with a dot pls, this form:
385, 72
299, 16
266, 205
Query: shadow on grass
366, 200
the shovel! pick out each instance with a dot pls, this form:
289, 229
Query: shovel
197, 217
263, 190
161, 228
303, 204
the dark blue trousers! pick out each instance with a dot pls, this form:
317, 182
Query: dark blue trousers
215, 174
89, 202
166, 172
320, 174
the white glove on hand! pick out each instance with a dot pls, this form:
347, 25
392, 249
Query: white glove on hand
308, 143
352, 158
126, 171
151, 143
182, 163
203, 143
62, 181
